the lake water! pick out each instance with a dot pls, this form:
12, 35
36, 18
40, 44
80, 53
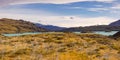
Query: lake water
101, 32
20, 34
31, 33
106, 33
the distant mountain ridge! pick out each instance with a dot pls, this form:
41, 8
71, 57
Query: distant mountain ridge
50, 27
18, 26
94, 28
114, 26
116, 23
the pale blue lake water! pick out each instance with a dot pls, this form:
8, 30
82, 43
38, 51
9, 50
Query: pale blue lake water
20, 34
31, 33
101, 33
105, 33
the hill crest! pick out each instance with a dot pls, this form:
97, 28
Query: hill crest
18, 26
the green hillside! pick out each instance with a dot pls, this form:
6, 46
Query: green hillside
17, 26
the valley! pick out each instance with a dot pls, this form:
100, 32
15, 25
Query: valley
23, 40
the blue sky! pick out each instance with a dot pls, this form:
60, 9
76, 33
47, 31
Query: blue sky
65, 13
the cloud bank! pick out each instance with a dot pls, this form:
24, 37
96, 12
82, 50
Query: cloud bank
9, 2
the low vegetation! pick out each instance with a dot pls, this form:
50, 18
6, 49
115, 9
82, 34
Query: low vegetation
59, 46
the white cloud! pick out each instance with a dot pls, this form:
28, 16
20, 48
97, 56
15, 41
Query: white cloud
117, 6
74, 8
64, 21
98, 9
8, 2
99, 5
25, 11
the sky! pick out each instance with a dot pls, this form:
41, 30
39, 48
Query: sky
64, 13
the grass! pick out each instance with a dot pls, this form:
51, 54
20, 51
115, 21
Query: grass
59, 46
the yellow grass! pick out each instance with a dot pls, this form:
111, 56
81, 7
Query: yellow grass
59, 46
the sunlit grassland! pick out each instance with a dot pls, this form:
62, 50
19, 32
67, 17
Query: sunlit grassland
59, 46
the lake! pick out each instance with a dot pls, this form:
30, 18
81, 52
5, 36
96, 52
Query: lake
31, 33
106, 33
20, 34
101, 32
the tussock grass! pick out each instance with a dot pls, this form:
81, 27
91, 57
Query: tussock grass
59, 46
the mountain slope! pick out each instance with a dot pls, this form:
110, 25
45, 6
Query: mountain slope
117, 34
17, 26
116, 23
50, 27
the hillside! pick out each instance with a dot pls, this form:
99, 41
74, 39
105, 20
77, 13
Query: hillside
59, 46
116, 23
17, 26
117, 35
50, 27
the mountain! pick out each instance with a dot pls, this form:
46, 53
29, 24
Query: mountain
94, 28
114, 26
50, 27
18, 26
116, 23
